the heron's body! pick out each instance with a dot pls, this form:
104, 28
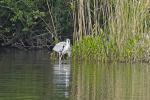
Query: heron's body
63, 48
59, 46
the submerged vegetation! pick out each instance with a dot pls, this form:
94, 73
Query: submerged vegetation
112, 30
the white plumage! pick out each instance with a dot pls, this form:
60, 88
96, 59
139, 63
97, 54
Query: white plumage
59, 46
63, 48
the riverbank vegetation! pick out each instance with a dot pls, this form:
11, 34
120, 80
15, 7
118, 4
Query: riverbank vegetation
112, 30
104, 30
33, 23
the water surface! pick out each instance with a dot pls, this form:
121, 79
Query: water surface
31, 75
91, 81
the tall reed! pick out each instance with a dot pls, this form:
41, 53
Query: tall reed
112, 30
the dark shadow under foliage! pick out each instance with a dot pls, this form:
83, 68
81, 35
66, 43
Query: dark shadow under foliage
34, 23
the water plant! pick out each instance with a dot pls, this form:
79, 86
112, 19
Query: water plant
113, 30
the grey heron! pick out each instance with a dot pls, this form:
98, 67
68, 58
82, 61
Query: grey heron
63, 48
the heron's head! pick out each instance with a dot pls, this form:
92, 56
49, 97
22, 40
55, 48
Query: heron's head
68, 41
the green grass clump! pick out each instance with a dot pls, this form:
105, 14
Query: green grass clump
100, 49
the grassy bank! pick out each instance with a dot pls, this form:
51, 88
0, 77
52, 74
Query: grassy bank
98, 48
119, 30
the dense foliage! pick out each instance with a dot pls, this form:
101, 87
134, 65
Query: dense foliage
33, 23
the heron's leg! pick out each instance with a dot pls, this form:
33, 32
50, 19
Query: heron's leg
60, 57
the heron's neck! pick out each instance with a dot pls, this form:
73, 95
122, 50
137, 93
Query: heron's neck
68, 43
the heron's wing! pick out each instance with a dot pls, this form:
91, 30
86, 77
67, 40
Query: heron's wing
59, 46
66, 49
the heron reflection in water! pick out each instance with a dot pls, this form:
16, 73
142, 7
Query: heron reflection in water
62, 79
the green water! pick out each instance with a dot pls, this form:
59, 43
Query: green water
110, 82
31, 75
